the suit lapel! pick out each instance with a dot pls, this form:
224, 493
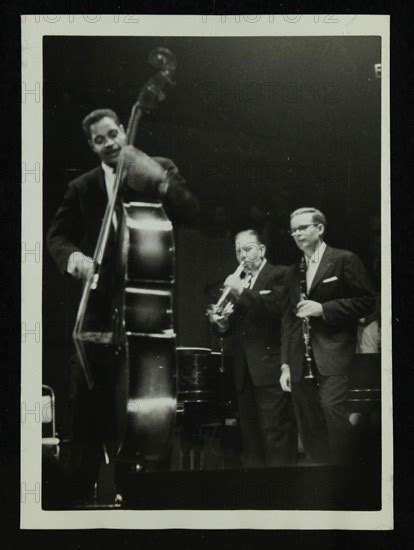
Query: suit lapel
296, 280
260, 282
325, 264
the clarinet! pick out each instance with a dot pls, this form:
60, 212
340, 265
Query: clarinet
306, 328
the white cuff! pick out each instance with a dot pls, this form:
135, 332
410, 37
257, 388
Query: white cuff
70, 259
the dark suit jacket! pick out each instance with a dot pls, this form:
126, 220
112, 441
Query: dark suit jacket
77, 223
256, 326
342, 286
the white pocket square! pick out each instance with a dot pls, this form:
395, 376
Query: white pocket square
265, 291
334, 278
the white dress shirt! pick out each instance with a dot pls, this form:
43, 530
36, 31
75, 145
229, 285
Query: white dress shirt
109, 179
109, 184
313, 264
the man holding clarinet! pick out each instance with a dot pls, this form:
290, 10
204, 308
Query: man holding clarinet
324, 296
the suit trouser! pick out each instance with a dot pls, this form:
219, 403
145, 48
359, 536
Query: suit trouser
88, 423
267, 425
86, 434
322, 416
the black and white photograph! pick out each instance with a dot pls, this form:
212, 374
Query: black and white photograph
206, 272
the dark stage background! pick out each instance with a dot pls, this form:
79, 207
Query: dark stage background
257, 126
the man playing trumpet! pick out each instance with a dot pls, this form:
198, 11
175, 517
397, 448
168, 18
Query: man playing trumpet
251, 311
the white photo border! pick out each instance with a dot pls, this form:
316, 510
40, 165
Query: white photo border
34, 27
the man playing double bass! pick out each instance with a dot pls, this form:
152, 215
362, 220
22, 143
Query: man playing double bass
71, 241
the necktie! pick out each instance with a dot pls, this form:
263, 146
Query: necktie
248, 282
111, 183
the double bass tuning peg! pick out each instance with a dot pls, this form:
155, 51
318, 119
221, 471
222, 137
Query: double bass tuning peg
157, 91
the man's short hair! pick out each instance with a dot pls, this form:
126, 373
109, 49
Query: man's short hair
317, 215
254, 232
95, 116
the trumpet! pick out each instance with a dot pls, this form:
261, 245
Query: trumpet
224, 306
223, 302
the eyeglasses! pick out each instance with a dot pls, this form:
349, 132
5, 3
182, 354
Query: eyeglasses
301, 229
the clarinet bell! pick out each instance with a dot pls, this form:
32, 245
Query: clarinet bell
309, 372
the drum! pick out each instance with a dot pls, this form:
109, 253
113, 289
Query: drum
198, 375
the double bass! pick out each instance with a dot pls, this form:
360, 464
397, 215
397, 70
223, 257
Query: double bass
124, 330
